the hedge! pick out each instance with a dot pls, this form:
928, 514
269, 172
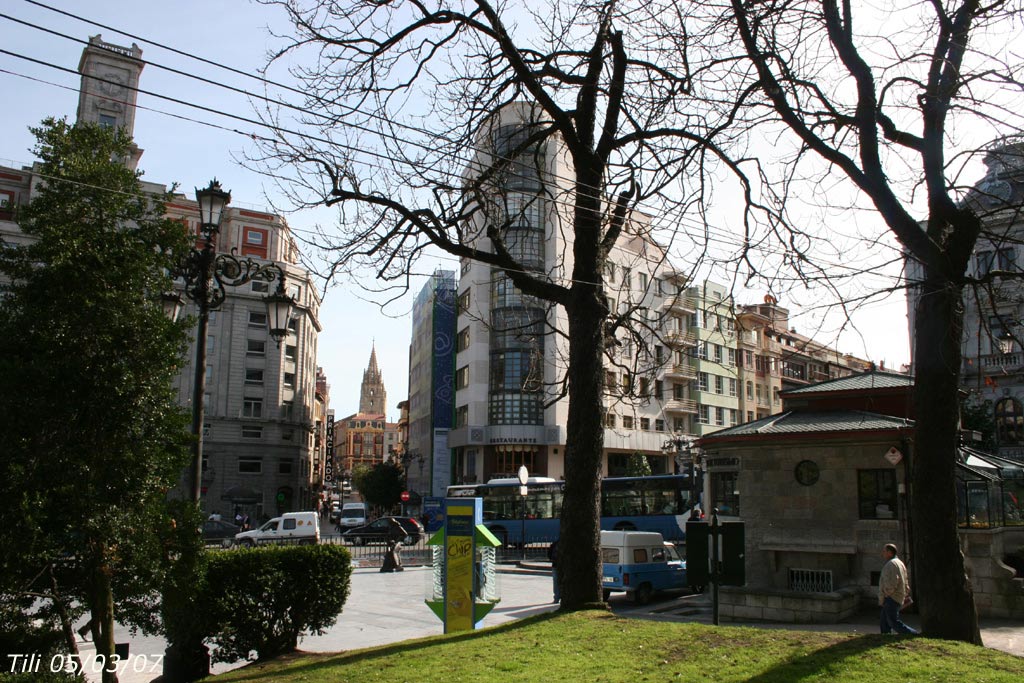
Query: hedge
262, 599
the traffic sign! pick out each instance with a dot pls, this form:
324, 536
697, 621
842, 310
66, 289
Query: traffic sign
405, 496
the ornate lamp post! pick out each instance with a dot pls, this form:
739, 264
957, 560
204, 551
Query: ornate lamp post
681, 447
206, 275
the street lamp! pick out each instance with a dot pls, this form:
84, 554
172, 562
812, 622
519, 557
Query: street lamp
680, 447
206, 274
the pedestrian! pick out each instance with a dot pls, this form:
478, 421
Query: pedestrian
553, 556
893, 592
393, 556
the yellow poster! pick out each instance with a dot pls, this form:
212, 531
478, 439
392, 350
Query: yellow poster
459, 548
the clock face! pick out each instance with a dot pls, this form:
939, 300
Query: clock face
112, 84
806, 472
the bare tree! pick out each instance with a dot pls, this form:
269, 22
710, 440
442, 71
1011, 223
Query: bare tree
410, 102
895, 100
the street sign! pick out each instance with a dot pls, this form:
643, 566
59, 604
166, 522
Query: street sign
405, 496
524, 475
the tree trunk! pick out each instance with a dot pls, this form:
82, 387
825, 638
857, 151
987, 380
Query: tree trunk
579, 556
944, 592
102, 613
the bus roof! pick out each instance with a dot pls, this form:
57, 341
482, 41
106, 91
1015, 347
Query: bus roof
512, 481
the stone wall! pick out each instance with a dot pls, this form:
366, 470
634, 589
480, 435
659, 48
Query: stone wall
997, 593
742, 604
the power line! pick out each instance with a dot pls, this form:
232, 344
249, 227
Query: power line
266, 81
663, 215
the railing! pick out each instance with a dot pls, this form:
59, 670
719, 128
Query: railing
680, 405
677, 338
994, 362
683, 304
681, 370
810, 580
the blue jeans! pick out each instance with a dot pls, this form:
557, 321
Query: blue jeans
890, 618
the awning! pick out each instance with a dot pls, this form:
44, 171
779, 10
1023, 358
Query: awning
241, 496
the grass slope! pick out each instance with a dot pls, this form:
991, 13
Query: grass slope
598, 646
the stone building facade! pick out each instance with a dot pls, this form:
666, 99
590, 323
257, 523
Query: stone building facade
260, 453
821, 488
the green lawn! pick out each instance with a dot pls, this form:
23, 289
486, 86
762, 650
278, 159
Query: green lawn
597, 646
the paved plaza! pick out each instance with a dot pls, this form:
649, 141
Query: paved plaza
388, 608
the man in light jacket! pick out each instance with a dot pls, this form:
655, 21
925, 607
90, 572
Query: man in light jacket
893, 589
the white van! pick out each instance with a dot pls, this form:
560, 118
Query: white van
352, 515
293, 527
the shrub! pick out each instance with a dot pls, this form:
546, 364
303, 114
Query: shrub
262, 599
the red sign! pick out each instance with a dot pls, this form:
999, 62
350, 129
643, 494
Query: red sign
405, 496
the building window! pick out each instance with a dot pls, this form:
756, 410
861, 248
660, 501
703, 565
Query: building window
210, 345
775, 395
250, 465
289, 380
287, 410
733, 416
257, 319
609, 420
260, 286
462, 341
750, 391
645, 424
254, 242
719, 384
255, 347
720, 417
679, 424
462, 377
702, 350
1009, 422
730, 357
252, 407
750, 416
678, 392
717, 348
659, 425
108, 121
462, 416
1000, 259
702, 381
464, 302
291, 352
659, 353
725, 494
659, 389
253, 377
732, 386
284, 466
293, 326
627, 421
643, 281
250, 432
703, 415
876, 493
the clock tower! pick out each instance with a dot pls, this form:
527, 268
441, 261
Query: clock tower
107, 95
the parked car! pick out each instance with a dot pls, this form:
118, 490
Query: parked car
640, 563
377, 531
294, 527
335, 513
219, 531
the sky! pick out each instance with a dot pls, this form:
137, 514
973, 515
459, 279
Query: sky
189, 146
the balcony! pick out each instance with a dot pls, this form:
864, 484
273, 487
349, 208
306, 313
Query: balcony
680, 371
680, 405
677, 338
679, 304
994, 363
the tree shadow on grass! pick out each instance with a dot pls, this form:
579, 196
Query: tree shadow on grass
253, 672
823, 663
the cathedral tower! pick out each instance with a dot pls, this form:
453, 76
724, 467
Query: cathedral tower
372, 396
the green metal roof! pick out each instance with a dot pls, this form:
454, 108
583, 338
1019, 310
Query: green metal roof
860, 382
811, 422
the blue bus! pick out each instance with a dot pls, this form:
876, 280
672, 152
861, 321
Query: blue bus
656, 503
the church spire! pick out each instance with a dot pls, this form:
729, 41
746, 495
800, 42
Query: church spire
372, 396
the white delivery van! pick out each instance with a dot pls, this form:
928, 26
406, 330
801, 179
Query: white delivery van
353, 515
291, 527
640, 563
